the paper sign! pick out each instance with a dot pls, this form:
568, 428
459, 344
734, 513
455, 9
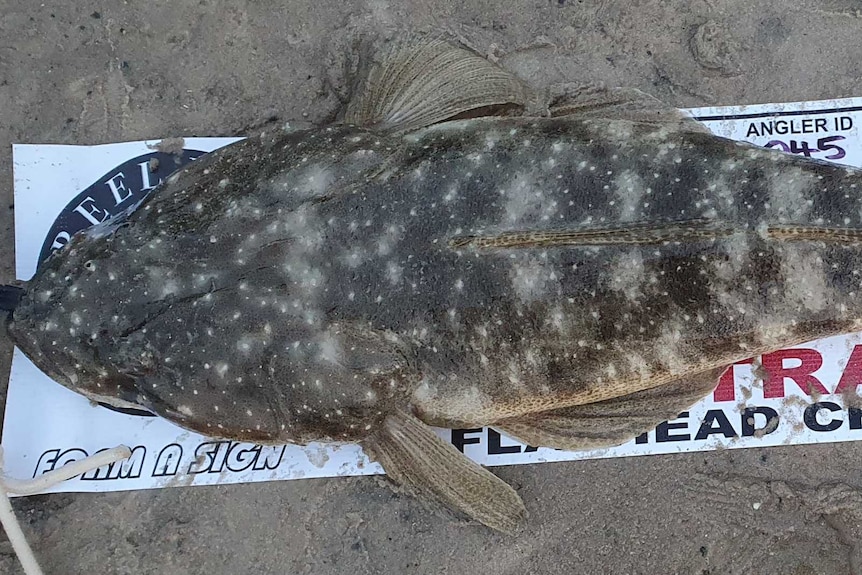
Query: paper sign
61, 189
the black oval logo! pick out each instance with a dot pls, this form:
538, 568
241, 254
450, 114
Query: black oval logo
122, 187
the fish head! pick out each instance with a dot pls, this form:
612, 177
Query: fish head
47, 322
230, 358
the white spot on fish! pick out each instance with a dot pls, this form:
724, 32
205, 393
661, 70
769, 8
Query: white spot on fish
788, 194
529, 280
388, 240
329, 349
393, 273
630, 189
627, 274
805, 278
525, 203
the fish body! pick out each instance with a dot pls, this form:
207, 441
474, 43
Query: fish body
346, 283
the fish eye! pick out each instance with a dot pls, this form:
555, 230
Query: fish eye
89, 265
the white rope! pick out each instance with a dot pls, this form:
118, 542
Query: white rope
38, 484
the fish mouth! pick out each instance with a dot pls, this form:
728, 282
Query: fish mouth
22, 335
9, 297
127, 410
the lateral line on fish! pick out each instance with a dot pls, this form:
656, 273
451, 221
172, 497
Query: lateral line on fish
807, 233
632, 235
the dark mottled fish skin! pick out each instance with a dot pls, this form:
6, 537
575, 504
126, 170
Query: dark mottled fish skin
299, 287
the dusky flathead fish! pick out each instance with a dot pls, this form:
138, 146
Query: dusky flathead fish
457, 251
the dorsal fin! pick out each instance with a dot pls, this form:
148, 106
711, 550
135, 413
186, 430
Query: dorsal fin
600, 102
415, 81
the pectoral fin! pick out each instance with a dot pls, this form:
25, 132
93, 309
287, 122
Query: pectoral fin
416, 458
613, 421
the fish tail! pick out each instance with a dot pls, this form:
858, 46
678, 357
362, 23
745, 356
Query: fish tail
9, 297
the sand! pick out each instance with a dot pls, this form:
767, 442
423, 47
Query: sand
87, 72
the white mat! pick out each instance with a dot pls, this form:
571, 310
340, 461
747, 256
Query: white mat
59, 189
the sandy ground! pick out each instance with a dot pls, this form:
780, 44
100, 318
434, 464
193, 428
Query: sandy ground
87, 72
